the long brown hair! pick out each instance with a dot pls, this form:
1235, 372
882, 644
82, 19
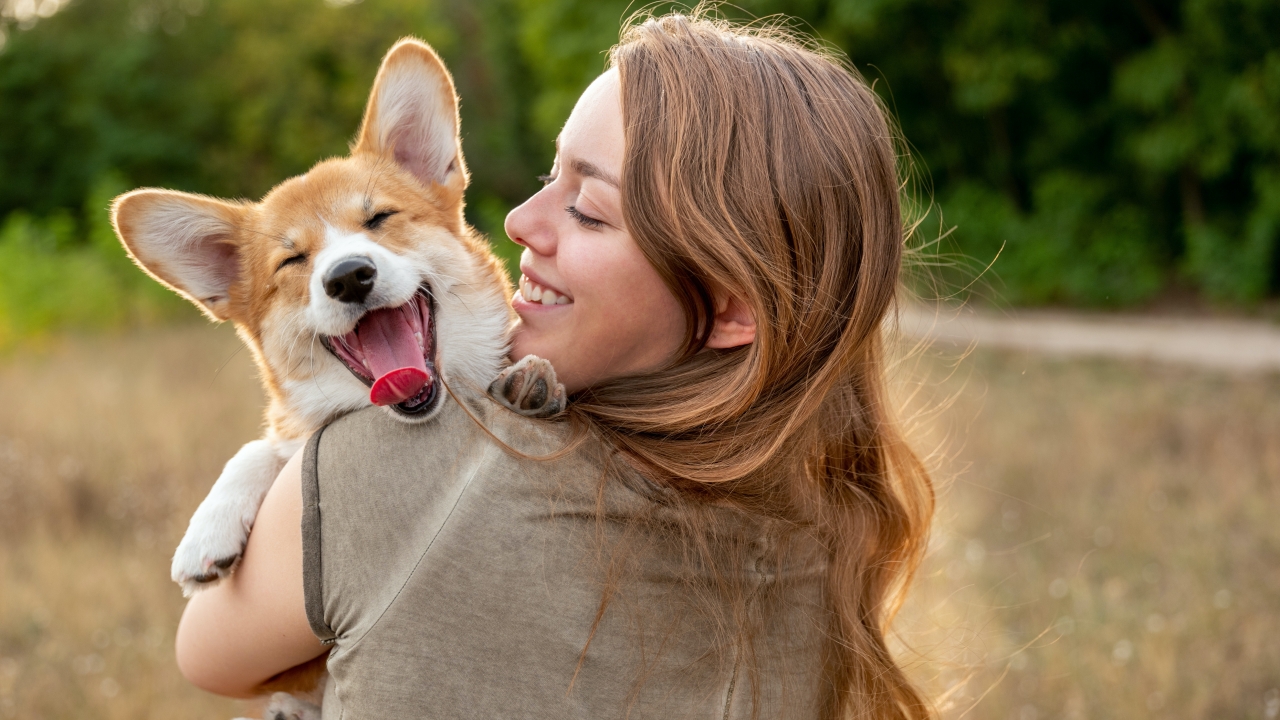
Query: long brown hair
763, 167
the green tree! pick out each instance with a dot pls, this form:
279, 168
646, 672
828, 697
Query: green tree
1105, 150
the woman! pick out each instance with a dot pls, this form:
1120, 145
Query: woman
730, 531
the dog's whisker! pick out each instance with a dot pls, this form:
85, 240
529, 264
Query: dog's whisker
462, 302
315, 376
223, 366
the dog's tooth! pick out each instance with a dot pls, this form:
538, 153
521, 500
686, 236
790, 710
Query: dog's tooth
535, 295
549, 297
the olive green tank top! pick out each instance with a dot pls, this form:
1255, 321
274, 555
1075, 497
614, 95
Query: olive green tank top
453, 579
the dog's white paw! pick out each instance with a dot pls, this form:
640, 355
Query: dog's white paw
213, 544
530, 388
284, 706
218, 530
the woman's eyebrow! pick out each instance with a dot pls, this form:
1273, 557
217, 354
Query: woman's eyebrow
591, 170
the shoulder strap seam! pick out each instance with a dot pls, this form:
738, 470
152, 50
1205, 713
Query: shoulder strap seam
313, 572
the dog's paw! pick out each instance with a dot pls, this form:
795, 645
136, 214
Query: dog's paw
284, 706
220, 526
210, 550
529, 387
197, 565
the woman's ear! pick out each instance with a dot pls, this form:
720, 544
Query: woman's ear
735, 324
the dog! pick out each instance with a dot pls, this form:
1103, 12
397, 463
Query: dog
356, 283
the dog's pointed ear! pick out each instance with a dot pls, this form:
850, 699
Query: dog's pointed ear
187, 242
412, 117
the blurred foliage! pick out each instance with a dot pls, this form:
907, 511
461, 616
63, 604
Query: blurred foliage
54, 275
1110, 148
1104, 151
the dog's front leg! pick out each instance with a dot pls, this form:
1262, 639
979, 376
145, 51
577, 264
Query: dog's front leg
218, 530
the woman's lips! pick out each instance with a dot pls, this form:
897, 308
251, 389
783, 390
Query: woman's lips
533, 292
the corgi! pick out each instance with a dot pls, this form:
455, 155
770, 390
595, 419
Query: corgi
356, 283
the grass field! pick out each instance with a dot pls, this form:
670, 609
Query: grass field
1107, 543
106, 447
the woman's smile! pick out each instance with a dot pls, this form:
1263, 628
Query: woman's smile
537, 292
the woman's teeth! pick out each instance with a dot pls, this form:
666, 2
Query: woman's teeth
533, 292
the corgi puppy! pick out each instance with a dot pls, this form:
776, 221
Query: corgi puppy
357, 283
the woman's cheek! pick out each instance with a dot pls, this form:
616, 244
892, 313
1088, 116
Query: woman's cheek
654, 323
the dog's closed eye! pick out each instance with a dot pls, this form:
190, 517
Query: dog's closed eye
299, 258
375, 222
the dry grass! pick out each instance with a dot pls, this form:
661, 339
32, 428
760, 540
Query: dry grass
1107, 544
106, 447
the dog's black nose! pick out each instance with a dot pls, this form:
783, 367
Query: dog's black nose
350, 280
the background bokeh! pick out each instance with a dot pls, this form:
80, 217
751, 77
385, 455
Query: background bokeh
1107, 539
1118, 152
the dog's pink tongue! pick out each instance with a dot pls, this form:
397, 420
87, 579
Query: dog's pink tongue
394, 356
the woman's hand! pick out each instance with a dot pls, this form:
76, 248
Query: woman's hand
253, 625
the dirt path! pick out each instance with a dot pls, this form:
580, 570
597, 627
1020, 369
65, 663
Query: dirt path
1220, 344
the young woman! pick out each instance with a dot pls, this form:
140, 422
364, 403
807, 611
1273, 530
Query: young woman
737, 514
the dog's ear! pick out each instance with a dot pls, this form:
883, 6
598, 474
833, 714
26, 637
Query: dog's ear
187, 242
412, 117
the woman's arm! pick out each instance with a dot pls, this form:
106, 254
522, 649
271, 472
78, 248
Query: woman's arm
253, 625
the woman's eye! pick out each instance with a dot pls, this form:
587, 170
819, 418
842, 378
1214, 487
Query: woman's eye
299, 258
584, 220
376, 221
546, 179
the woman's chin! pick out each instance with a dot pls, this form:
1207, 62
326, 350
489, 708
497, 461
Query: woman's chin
528, 340
540, 329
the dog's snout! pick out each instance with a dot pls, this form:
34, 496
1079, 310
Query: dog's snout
350, 280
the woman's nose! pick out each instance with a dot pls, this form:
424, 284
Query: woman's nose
528, 225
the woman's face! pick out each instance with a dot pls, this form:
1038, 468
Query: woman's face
589, 301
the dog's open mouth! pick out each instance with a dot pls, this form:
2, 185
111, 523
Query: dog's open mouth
392, 351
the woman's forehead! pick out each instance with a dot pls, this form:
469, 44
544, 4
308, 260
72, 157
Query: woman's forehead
594, 132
